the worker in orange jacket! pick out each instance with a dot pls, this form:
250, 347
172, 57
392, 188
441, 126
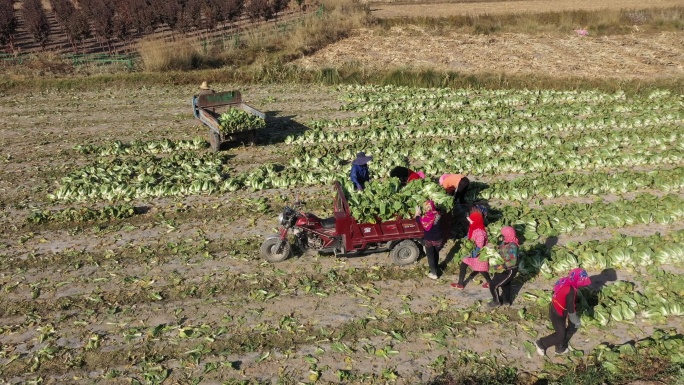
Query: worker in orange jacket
456, 185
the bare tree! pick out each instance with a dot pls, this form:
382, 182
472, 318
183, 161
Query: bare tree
279, 6
8, 23
36, 21
258, 9
101, 15
73, 22
219, 11
124, 20
191, 15
169, 12
264, 9
233, 9
62, 9
77, 28
212, 10
145, 19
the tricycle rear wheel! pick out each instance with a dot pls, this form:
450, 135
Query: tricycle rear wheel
269, 247
405, 253
215, 141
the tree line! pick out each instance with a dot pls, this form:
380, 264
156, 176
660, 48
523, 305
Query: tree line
108, 20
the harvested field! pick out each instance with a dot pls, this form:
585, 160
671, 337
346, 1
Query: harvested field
129, 252
179, 293
636, 56
393, 9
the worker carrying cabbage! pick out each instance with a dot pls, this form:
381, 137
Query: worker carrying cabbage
429, 219
456, 185
479, 265
406, 175
506, 268
563, 307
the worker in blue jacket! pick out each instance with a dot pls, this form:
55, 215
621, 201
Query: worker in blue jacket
359, 171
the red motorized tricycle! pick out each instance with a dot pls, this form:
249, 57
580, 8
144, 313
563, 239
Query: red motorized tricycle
343, 235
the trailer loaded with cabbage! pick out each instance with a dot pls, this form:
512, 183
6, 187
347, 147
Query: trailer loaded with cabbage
228, 118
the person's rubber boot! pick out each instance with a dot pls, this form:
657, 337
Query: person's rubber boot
493, 304
562, 352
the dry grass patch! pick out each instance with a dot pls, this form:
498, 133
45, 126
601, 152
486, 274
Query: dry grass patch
266, 45
159, 55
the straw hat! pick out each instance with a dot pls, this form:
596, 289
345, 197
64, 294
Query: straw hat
362, 159
204, 86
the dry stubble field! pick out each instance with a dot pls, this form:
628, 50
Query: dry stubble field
638, 55
177, 293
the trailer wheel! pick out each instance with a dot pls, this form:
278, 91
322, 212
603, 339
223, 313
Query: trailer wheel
269, 247
405, 253
215, 141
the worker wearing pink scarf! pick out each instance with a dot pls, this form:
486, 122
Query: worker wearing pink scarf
433, 236
563, 307
507, 271
479, 236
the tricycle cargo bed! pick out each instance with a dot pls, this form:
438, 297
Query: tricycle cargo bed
359, 236
385, 231
382, 232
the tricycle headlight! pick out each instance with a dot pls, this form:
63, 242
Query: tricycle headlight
281, 219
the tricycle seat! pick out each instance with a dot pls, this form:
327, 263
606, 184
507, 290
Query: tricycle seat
328, 223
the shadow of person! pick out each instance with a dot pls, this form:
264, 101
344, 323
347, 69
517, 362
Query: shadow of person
551, 242
474, 190
279, 127
450, 256
530, 261
589, 295
599, 281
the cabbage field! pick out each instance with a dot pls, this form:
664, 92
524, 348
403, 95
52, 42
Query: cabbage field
130, 251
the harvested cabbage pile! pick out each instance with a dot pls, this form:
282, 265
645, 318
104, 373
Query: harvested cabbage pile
388, 200
237, 120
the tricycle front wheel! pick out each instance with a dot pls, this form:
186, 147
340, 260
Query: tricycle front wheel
405, 253
269, 250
